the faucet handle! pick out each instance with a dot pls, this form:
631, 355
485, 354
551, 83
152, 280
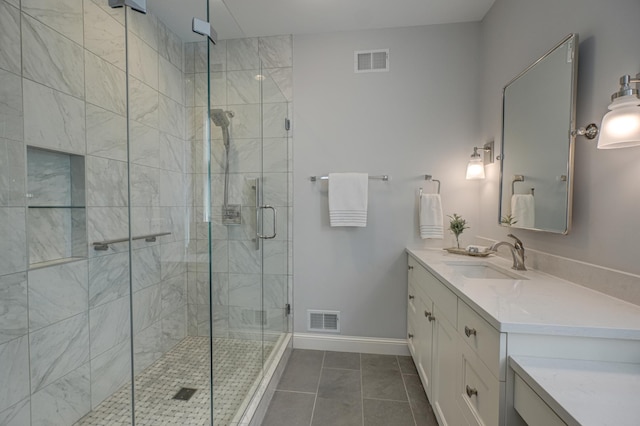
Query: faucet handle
518, 243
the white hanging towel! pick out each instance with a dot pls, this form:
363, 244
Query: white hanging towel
348, 199
430, 214
523, 210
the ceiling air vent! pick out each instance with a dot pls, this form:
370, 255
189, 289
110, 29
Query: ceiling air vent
371, 60
328, 321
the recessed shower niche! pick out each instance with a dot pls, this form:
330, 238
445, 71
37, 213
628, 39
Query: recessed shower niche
56, 222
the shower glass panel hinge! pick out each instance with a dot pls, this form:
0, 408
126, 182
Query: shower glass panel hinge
137, 5
204, 28
287, 308
287, 124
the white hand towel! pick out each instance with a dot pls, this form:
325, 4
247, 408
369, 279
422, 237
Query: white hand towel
348, 199
431, 216
523, 210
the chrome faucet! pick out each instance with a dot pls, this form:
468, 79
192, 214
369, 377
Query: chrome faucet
517, 252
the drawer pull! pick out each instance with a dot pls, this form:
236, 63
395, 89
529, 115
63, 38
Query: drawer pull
410, 336
410, 267
469, 331
411, 296
471, 391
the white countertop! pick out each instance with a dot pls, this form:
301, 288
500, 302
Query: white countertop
584, 392
538, 303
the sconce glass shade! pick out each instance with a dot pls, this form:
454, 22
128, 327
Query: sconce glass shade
620, 127
475, 168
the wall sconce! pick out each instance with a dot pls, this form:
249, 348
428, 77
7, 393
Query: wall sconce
620, 126
475, 168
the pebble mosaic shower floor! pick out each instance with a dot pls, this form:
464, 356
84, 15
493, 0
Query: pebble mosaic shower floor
237, 364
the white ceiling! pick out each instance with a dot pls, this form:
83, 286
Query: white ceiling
252, 18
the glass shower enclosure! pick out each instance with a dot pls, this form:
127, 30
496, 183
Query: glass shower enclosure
145, 206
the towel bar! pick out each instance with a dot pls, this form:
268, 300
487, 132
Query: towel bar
380, 177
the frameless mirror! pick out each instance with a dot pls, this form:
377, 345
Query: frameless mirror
538, 115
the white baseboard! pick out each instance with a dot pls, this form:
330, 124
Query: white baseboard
337, 343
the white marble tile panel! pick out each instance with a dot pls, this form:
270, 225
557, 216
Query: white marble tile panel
13, 306
176, 223
173, 258
273, 116
57, 292
58, 349
109, 325
50, 234
275, 187
54, 120
277, 85
10, 52
12, 173
276, 51
189, 58
14, 372
219, 254
106, 84
170, 80
220, 322
106, 182
275, 155
103, 34
218, 81
106, 133
217, 60
169, 45
17, 415
247, 229
48, 178
172, 153
244, 258
143, 103
143, 61
245, 290
13, 245
65, 401
174, 292
275, 291
52, 59
11, 117
109, 371
147, 347
145, 267
174, 328
144, 145
247, 122
171, 117
145, 26
243, 87
108, 278
189, 85
172, 189
145, 181
242, 54
107, 223
147, 308
64, 16
275, 257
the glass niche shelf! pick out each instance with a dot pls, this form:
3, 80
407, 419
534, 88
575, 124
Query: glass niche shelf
56, 217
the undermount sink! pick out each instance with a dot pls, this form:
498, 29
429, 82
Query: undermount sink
483, 270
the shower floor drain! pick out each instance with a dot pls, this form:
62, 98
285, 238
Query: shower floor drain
184, 394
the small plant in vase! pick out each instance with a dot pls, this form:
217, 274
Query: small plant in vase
457, 225
508, 220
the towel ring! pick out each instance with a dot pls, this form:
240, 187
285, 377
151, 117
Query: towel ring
429, 178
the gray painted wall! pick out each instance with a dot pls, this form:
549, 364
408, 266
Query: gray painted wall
419, 118
606, 202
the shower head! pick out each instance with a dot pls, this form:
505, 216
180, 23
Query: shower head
221, 118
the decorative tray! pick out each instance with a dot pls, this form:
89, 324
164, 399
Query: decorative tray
456, 250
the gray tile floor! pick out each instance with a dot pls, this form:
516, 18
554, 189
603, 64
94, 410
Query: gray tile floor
340, 388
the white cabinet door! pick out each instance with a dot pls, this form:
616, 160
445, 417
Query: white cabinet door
447, 361
424, 343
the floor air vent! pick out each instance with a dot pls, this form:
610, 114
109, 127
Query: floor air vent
328, 321
184, 394
371, 60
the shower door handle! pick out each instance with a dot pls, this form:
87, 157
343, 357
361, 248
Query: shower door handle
275, 223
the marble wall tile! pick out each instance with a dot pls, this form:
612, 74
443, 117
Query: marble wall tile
49, 234
147, 347
242, 54
13, 246
109, 371
245, 290
244, 156
172, 153
220, 322
176, 223
145, 190
198, 291
147, 308
169, 46
172, 189
145, 267
189, 89
275, 155
172, 260
203, 313
106, 132
275, 257
278, 85
109, 325
246, 319
10, 52
276, 51
107, 223
106, 84
170, 80
106, 182
64, 16
273, 116
12, 173
243, 257
275, 187
247, 230
58, 349
17, 415
103, 35
219, 254
143, 103
14, 372
57, 292
218, 81
11, 121
243, 87
48, 178
247, 122
144, 145
52, 59
13, 306
64, 401
108, 278
171, 117
145, 26
217, 60
174, 292
192, 321
174, 328
189, 58
143, 61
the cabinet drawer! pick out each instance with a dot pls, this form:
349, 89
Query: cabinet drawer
488, 342
479, 394
442, 297
531, 407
